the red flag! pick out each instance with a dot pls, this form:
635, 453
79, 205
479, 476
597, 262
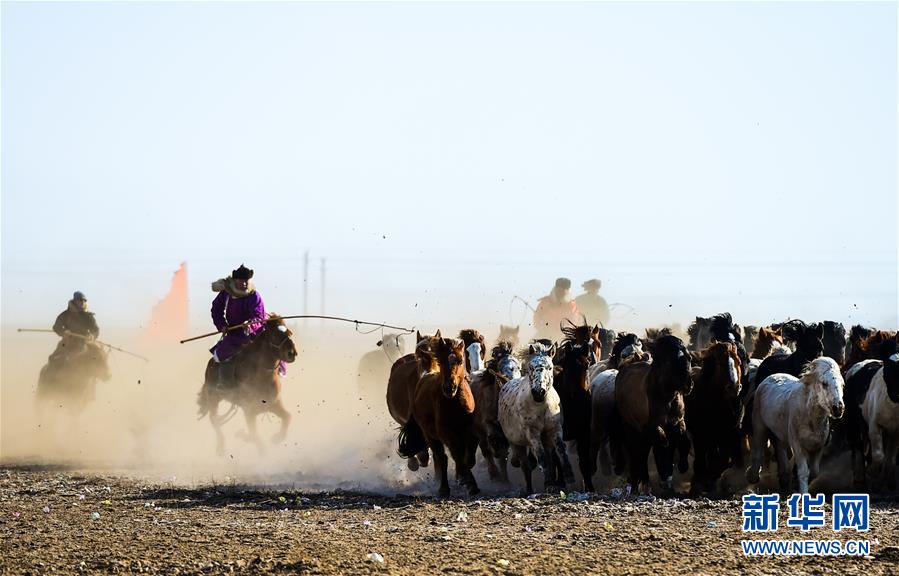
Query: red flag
168, 322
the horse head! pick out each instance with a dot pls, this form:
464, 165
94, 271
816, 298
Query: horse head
92, 362
476, 350
426, 352
627, 348
503, 362
450, 354
277, 336
606, 342
724, 363
672, 361
825, 383
834, 340
540, 369
700, 333
509, 334
765, 340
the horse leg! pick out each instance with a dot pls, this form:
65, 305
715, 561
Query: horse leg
758, 449
643, 465
562, 452
521, 453
802, 469
877, 456
784, 472
441, 463
487, 453
460, 452
890, 449
583, 459
252, 433
284, 416
700, 464
216, 422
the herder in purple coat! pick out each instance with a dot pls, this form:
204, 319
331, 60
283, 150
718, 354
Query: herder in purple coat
237, 302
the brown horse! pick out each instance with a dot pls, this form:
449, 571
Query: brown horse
867, 347
765, 341
509, 334
402, 383
579, 351
72, 382
442, 417
713, 415
649, 398
258, 383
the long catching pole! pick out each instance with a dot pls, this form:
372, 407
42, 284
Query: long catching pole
100, 342
300, 316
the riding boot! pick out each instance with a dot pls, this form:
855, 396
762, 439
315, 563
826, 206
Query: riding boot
226, 374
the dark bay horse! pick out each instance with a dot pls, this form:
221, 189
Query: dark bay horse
443, 417
258, 383
578, 352
649, 399
73, 382
713, 415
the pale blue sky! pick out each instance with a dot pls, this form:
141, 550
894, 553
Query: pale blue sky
710, 156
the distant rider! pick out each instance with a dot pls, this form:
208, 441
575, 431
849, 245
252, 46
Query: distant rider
75, 325
237, 302
553, 308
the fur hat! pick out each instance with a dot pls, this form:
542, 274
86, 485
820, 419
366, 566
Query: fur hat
563, 283
242, 273
592, 283
79, 296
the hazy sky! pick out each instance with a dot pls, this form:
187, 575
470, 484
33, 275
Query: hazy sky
443, 157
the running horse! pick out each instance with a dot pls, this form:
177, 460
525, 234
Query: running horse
258, 384
73, 382
442, 417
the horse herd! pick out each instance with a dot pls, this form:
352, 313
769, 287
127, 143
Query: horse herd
796, 391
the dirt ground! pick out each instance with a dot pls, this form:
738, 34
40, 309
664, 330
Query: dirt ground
49, 523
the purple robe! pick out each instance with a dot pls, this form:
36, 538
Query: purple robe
228, 310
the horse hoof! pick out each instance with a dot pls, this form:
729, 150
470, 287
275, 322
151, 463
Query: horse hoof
412, 464
473, 490
752, 475
443, 493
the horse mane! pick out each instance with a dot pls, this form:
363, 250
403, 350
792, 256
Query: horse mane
470, 336
574, 334
792, 330
723, 328
809, 374
501, 350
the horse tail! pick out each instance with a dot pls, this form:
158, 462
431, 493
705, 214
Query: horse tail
411, 440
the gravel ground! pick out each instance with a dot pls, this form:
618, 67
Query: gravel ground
49, 523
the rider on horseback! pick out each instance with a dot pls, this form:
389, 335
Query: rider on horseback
76, 326
237, 303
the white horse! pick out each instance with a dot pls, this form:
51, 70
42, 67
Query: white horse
880, 410
530, 414
795, 414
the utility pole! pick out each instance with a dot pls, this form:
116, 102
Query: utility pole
323, 290
306, 283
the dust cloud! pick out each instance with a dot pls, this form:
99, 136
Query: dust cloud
144, 420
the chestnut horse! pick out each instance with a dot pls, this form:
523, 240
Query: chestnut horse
258, 383
401, 385
442, 417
